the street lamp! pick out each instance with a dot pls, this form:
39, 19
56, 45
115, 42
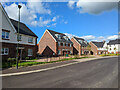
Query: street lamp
19, 6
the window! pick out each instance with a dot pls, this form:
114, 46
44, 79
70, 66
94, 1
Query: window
5, 35
19, 38
58, 36
58, 43
30, 52
63, 44
30, 40
59, 52
65, 37
4, 51
66, 44
70, 45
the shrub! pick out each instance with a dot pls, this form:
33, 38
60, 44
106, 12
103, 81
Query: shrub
13, 59
27, 58
9, 59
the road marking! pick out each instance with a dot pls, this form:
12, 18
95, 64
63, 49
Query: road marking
27, 72
41, 70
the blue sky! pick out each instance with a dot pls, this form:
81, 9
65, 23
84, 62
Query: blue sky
73, 19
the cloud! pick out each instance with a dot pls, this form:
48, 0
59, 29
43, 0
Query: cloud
112, 37
95, 7
29, 12
88, 37
71, 4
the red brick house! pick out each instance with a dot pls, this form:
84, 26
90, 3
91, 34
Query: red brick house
27, 39
80, 46
54, 43
98, 48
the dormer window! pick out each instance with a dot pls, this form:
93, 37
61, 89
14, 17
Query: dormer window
66, 38
30, 39
58, 36
85, 42
80, 41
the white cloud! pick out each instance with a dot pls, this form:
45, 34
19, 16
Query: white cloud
95, 7
28, 13
69, 35
37, 7
88, 37
112, 37
71, 4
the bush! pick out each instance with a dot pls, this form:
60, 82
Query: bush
9, 59
13, 59
27, 58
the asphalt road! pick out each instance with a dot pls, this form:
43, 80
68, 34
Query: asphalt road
102, 73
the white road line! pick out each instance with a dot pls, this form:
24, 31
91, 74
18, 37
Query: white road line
40, 70
27, 72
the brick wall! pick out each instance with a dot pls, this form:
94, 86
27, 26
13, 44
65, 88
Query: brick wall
76, 47
93, 48
47, 41
13, 50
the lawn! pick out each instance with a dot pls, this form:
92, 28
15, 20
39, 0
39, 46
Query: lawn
25, 64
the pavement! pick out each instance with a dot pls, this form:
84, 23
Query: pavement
100, 73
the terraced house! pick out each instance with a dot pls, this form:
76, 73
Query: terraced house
54, 43
8, 33
98, 48
80, 46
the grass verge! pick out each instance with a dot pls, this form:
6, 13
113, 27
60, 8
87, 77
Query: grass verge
25, 64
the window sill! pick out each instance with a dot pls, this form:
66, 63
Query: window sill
30, 42
5, 39
29, 55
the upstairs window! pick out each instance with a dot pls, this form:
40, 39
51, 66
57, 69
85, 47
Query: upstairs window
66, 38
59, 43
5, 35
19, 38
58, 36
80, 41
30, 40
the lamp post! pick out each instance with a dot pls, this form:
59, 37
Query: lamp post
19, 6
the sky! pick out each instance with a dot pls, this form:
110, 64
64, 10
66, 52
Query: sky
93, 21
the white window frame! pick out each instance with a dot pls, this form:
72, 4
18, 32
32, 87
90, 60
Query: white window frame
67, 44
59, 44
6, 35
59, 52
30, 53
4, 51
70, 45
19, 38
63, 44
30, 40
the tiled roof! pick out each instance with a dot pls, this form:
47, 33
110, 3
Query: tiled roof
113, 42
53, 33
81, 43
99, 44
23, 28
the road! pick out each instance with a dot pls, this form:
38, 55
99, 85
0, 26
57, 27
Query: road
101, 73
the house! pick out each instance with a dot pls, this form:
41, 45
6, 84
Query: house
80, 46
98, 48
113, 46
54, 43
8, 33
